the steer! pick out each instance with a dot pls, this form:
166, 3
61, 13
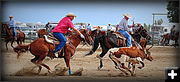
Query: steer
133, 55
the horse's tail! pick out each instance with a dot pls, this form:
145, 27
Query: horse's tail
94, 47
21, 48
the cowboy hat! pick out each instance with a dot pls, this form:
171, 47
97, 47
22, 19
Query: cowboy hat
97, 27
10, 16
127, 15
71, 14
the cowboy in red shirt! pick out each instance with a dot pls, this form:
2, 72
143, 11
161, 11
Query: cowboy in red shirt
61, 29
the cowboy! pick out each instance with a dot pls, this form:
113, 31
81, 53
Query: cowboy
12, 25
81, 26
109, 27
61, 29
48, 26
88, 27
172, 30
123, 27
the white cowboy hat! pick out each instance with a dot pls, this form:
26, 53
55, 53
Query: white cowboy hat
71, 14
127, 15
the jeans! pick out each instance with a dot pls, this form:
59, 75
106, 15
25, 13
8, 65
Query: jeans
14, 31
128, 36
62, 40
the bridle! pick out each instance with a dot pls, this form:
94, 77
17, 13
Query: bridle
141, 32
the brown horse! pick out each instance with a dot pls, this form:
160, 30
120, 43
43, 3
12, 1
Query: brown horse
139, 33
40, 48
167, 37
9, 36
20, 37
42, 32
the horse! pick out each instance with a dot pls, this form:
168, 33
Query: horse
110, 41
140, 32
42, 32
20, 37
9, 36
167, 37
40, 48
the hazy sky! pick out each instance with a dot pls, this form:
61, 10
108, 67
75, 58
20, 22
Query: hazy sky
96, 13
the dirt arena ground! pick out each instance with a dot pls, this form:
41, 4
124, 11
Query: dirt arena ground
163, 57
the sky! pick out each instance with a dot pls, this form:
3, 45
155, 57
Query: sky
95, 13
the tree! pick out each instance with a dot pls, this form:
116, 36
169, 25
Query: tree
158, 22
173, 11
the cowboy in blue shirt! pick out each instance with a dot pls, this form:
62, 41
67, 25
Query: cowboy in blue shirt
12, 25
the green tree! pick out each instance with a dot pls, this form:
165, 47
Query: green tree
173, 11
159, 22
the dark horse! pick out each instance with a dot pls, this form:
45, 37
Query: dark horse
40, 48
140, 32
9, 35
109, 41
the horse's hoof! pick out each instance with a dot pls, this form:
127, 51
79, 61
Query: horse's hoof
140, 67
99, 68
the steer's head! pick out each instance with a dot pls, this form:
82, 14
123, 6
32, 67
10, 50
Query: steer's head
148, 54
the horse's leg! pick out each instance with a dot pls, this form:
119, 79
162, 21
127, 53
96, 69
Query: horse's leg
67, 60
7, 44
104, 51
39, 62
17, 41
34, 62
94, 47
12, 41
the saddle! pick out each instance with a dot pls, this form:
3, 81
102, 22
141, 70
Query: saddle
52, 40
117, 39
119, 35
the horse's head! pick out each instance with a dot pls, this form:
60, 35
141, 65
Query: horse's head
143, 32
93, 33
87, 36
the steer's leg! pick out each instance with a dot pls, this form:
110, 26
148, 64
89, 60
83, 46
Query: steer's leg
116, 62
